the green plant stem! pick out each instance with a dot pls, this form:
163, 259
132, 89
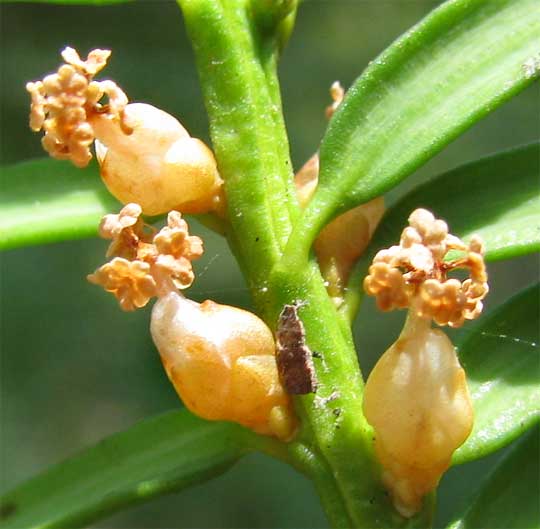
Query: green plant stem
337, 431
237, 66
247, 129
311, 465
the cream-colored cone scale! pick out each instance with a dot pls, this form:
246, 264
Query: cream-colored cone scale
417, 401
221, 361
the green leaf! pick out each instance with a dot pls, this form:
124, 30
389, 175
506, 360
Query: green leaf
48, 200
496, 197
458, 64
158, 455
509, 497
500, 356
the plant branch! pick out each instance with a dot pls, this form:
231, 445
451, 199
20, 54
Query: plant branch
237, 72
237, 63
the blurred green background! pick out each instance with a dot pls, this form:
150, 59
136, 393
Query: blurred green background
74, 367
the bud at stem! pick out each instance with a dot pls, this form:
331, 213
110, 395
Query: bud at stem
221, 361
417, 401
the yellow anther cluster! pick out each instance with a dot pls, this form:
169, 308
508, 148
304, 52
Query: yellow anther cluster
337, 93
416, 397
63, 104
220, 359
174, 239
130, 282
145, 155
126, 231
145, 263
415, 273
95, 62
388, 285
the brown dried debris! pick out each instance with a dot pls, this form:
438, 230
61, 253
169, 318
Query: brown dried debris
145, 263
414, 274
63, 104
294, 358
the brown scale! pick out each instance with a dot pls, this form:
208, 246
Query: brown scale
294, 357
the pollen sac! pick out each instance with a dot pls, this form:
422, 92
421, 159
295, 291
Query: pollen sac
221, 361
416, 397
306, 180
158, 165
145, 155
342, 241
417, 401
129, 281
